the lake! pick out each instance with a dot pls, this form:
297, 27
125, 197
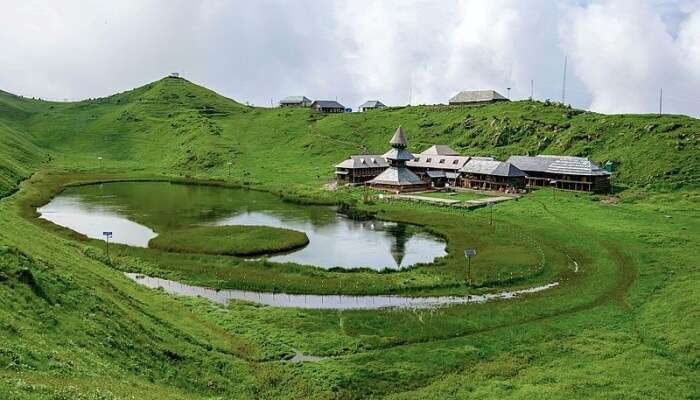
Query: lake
136, 211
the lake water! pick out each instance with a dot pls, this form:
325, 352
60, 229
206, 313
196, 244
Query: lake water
327, 302
136, 211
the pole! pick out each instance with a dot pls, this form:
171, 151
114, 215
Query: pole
491, 220
532, 89
612, 187
107, 246
563, 83
469, 270
661, 101
508, 93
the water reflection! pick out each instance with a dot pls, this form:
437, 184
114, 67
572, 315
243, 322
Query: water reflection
347, 243
134, 210
327, 302
93, 219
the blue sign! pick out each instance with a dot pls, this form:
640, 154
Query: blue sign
108, 234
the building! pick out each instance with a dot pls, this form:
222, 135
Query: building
295, 101
371, 105
397, 177
563, 172
328, 106
439, 165
440, 150
360, 169
474, 97
485, 174
174, 74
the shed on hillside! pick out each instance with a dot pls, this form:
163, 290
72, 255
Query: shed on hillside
328, 106
371, 105
474, 97
295, 101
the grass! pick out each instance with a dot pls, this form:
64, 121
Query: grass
624, 326
459, 196
230, 240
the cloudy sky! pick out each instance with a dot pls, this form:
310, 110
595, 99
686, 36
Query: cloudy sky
620, 52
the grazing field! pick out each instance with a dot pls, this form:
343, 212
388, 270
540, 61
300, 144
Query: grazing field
230, 240
459, 196
622, 323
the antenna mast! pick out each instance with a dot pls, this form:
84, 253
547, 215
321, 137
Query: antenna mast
563, 83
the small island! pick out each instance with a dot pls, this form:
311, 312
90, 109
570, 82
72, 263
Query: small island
237, 240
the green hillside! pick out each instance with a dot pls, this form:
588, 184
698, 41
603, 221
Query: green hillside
185, 128
623, 325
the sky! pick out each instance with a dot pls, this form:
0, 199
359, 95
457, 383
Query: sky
619, 53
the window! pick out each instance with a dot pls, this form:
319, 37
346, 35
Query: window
442, 161
428, 160
455, 162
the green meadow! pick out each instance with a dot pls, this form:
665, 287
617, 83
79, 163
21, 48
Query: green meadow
622, 322
230, 240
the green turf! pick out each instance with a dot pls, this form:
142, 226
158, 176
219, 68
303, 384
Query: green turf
459, 196
230, 240
624, 326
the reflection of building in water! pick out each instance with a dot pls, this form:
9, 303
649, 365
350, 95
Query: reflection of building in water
398, 247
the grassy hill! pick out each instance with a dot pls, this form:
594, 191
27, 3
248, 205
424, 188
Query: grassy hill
71, 326
184, 128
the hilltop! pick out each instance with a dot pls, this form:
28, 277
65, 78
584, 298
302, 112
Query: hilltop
185, 128
621, 322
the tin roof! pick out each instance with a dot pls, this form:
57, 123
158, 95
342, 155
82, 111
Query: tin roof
294, 100
399, 154
565, 165
476, 96
397, 176
328, 104
492, 167
436, 174
364, 161
440, 150
438, 162
372, 104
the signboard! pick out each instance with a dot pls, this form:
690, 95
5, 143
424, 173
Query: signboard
107, 234
470, 252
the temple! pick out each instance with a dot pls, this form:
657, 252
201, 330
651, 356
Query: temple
397, 177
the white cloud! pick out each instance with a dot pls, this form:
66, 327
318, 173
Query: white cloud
620, 52
623, 53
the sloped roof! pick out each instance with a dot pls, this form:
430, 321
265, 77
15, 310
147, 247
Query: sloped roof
399, 154
436, 174
294, 100
566, 165
438, 162
485, 158
364, 161
399, 138
328, 104
441, 150
398, 177
372, 104
492, 167
476, 96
